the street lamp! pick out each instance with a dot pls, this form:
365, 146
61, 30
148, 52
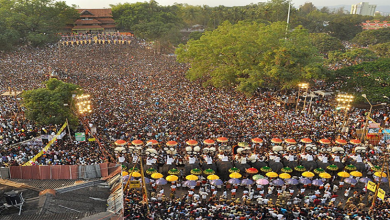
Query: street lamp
367, 117
83, 104
302, 86
344, 101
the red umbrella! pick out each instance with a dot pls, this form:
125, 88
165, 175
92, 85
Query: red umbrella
324, 141
257, 140
171, 143
137, 142
208, 142
252, 170
355, 141
152, 142
222, 139
306, 140
192, 142
120, 142
290, 141
276, 140
341, 141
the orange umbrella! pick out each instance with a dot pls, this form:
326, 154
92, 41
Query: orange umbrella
276, 140
290, 141
171, 143
341, 141
257, 140
192, 142
208, 142
355, 141
324, 141
222, 139
152, 142
306, 140
120, 142
137, 142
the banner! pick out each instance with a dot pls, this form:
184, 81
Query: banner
371, 186
80, 136
381, 194
30, 162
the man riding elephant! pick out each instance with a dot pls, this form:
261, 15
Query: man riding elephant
223, 167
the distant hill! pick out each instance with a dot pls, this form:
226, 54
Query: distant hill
381, 8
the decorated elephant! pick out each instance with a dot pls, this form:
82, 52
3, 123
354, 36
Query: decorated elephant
275, 166
322, 164
212, 166
188, 167
290, 164
242, 167
361, 167
258, 165
223, 169
309, 165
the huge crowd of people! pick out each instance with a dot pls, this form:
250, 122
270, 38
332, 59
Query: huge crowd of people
140, 95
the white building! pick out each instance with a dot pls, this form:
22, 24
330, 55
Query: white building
363, 8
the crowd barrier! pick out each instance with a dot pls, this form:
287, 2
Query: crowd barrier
58, 172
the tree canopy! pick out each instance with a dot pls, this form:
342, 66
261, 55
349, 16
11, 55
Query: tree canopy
372, 37
251, 55
52, 104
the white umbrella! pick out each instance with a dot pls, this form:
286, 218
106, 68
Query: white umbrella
277, 148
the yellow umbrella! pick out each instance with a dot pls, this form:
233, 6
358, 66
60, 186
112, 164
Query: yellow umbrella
272, 174
191, 177
212, 177
379, 174
157, 175
343, 174
285, 176
235, 175
171, 178
308, 174
136, 174
124, 173
356, 174
325, 175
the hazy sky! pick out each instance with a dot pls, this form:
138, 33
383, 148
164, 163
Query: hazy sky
105, 3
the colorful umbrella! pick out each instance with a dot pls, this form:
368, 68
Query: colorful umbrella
308, 174
212, 177
252, 170
152, 142
276, 140
258, 176
317, 182
355, 141
343, 174
217, 182
364, 180
350, 180
208, 171
192, 142
208, 142
124, 173
332, 167
190, 183
120, 142
222, 139
147, 180
243, 144
306, 140
257, 140
247, 182
191, 177
171, 143
383, 179
290, 141
376, 168
157, 175
137, 142
161, 182
235, 175
234, 170
173, 171
234, 181
324, 141
262, 182
272, 174
341, 141
305, 181
136, 174
172, 178
134, 169
292, 182
325, 175
380, 174
284, 176
278, 182
196, 171
151, 171
287, 170
350, 167
266, 169
319, 170
300, 168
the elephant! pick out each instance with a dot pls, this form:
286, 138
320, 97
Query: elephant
309, 165
188, 167
361, 167
340, 166
322, 164
258, 164
212, 166
241, 167
290, 164
223, 169
165, 168
275, 166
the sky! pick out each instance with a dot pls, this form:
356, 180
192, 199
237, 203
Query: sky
93, 4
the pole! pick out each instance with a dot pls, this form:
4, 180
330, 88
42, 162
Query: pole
288, 16
366, 124
296, 107
304, 103
378, 184
67, 123
144, 186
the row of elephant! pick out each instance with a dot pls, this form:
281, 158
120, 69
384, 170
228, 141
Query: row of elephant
222, 167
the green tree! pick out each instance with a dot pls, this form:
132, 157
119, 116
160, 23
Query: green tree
345, 27
325, 43
372, 37
9, 37
52, 104
382, 50
251, 55
350, 57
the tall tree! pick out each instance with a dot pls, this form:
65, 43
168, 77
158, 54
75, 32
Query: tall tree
325, 43
372, 37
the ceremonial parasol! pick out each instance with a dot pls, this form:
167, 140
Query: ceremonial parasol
262, 181
196, 171
350, 167
287, 170
247, 182
208, 171
305, 181
171, 143
380, 174
243, 144
192, 142
234, 181
355, 141
234, 170
222, 139
124, 173
212, 177
136, 174
258, 176
276, 140
350, 180
217, 182
376, 168
151, 171
172, 178
292, 182
137, 142
235, 175
290, 141
208, 142
266, 169
306, 140
325, 175
278, 182
120, 142
308, 174
319, 170
272, 174
257, 140
252, 170
161, 182
317, 182
332, 167
134, 169
300, 168
341, 141
152, 142
324, 141
343, 174
157, 175
364, 180
173, 171
191, 177
284, 176
189, 183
